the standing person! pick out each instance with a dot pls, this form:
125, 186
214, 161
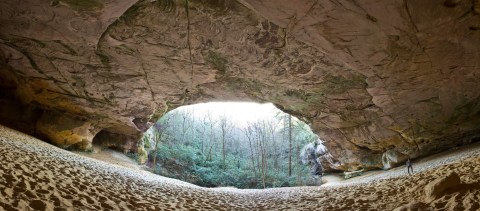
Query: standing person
409, 166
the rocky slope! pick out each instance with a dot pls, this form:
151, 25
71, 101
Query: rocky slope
378, 81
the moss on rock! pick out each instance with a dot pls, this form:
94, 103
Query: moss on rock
142, 154
340, 84
85, 4
218, 61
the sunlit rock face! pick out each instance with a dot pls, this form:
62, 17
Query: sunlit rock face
370, 76
65, 130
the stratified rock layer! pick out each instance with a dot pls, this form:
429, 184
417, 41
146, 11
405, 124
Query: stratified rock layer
370, 76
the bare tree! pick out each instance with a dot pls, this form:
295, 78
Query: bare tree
261, 142
271, 128
249, 133
204, 125
289, 145
212, 138
225, 127
186, 124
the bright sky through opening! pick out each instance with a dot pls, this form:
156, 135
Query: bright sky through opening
239, 112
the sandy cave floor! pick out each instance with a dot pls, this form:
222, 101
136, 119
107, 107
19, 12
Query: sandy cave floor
37, 176
112, 157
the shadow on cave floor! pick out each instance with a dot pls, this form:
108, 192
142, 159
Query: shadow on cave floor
111, 156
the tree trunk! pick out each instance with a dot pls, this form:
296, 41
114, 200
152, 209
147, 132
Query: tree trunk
262, 150
252, 155
209, 156
223, 147
289, 145
155, 157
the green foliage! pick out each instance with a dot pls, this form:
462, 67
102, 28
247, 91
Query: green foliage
188, 164
133, 156
183, 155
217, 60
146, 141
142, 155
191, 148
195, 168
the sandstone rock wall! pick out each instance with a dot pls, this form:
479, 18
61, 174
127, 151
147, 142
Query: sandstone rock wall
370, 76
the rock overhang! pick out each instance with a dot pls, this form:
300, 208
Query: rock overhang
378, 81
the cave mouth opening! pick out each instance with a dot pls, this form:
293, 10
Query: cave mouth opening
225, 144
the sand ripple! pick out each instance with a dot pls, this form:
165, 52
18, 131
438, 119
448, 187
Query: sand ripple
38, 176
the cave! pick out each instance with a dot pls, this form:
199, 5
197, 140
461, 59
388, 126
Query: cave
379, 81
377, 94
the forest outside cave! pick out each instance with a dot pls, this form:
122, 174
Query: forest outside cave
225, 144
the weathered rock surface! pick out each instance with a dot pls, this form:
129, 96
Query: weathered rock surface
65, 130
119, 141
370, 76
392, 158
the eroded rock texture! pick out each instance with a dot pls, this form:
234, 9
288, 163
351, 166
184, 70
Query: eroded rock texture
379, 81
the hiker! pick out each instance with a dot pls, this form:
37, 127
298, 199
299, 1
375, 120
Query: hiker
409, 166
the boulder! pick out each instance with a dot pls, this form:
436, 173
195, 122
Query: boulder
392, 158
